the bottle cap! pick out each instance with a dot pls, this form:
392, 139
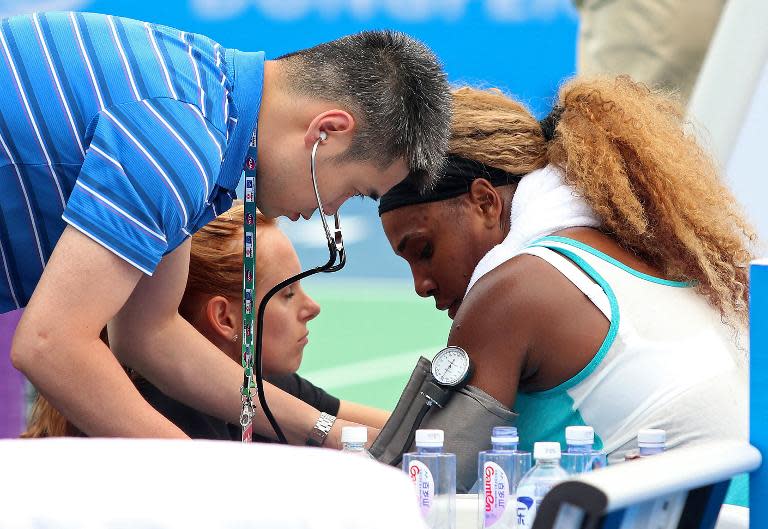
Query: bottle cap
546, 450
580, 435
354, 434
651, 438
429, 438
504, 435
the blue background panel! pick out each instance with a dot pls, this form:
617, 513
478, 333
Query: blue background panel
758, 391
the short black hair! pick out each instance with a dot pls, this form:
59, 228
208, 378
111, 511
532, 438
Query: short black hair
395, 87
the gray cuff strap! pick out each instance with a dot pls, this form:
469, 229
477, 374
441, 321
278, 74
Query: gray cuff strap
467, 419
394, 438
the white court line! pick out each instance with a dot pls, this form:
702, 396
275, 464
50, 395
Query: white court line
368, 371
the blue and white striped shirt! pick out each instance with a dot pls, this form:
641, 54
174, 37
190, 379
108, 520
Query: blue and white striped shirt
133, 133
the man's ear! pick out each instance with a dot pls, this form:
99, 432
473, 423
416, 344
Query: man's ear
334, 123
486, 200
220, 317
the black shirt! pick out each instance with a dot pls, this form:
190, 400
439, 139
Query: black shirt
198, 425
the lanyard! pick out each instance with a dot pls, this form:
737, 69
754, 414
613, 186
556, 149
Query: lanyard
249, 280
251, 356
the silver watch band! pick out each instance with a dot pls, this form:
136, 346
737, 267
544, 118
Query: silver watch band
321, 429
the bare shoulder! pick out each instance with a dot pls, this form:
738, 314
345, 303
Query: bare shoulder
546, 328
495, 325
519, 284
503, 310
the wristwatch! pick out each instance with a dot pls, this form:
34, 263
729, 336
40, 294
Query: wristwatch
451, 367
321, 429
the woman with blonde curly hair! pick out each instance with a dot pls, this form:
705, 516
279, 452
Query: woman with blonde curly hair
212, 303
594, 264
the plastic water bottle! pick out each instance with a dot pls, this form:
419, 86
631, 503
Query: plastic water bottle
499, 471
649, 442
538, 481
433, 472
353, 439
580, 455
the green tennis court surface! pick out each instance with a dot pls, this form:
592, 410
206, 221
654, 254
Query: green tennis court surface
368, 336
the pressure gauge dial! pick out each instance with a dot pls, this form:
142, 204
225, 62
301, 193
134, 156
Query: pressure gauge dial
451, 366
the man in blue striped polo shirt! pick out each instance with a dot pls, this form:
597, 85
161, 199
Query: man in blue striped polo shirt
120, 138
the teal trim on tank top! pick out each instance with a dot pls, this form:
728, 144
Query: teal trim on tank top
611, 260
613, 329
544, 420
738, 491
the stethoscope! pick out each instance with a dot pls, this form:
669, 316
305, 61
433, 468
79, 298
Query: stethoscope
336, 261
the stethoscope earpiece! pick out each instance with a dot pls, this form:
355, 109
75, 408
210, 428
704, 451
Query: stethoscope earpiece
323, 135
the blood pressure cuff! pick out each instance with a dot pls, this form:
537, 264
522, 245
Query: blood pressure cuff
397, 434
466, 415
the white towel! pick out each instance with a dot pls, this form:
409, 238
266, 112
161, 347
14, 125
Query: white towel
542, 205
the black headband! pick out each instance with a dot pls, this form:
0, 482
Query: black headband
458, 174
455, 180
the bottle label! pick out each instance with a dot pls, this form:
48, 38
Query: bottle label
495, 492
425, 485
526, 507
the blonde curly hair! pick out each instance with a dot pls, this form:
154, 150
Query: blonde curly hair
629, 152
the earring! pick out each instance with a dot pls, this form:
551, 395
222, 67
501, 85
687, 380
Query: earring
234, 338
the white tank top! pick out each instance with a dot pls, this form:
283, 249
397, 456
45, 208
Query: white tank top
668, 361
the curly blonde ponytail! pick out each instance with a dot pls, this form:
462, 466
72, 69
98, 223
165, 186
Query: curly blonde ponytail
626, 150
